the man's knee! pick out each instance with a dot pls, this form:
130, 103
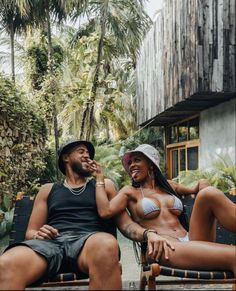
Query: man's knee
105, 246
108, 246
6, 267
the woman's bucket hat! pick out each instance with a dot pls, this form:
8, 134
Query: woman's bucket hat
149, 151
68, 145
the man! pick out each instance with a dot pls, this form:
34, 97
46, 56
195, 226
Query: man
65, 229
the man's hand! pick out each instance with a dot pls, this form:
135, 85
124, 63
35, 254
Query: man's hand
157, 244
95, 168
46, 232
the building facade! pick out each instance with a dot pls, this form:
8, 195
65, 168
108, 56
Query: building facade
186, 82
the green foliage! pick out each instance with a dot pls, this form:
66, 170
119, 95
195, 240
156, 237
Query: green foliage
113, 111
6, 219
48, 175
221, 176
37, 59
108, 157
226, 168
68, 91
15, 106
22, 140
6, 215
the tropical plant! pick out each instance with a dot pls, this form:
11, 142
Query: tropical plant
36, 58
125, 22
6, 214
42, 14
13, 21
108, 157
114, 115
222, 175
22, 140
225, 166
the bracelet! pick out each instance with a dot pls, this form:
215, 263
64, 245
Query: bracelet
146, 231
100, 184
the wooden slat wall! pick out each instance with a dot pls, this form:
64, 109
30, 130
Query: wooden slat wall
189, 49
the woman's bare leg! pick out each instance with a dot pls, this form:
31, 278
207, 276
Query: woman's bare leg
20, 267
210, 205
198, 255
99, 258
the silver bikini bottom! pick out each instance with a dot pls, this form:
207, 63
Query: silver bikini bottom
184, 238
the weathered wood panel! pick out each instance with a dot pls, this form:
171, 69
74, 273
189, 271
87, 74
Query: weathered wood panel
189, 50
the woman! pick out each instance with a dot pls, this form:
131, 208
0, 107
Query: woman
153, 202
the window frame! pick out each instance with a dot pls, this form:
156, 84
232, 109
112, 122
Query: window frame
178, 146
169, 147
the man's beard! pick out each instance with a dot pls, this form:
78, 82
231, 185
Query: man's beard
78, 169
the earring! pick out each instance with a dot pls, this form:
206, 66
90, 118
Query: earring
150, 175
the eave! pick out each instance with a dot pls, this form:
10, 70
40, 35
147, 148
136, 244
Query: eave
188, 108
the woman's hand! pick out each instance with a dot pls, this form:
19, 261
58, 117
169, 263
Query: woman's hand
157, 245
46, 232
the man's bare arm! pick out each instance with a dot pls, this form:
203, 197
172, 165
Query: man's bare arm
37, 227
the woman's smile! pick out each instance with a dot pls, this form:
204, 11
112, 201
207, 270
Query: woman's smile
134, 173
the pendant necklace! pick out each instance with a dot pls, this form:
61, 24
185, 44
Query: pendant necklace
73, 191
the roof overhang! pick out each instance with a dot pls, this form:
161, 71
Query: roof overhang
188, 108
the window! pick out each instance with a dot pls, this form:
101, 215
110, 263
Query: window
192, 156
182, 147
185, 131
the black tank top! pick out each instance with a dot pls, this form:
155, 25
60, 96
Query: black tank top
68, 212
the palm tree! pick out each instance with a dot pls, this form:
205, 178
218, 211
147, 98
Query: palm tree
126, 22
114, 114
12, 21
42, 13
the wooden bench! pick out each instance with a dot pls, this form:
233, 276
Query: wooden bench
150, 272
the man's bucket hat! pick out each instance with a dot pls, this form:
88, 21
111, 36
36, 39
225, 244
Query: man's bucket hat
68, 145
149, 151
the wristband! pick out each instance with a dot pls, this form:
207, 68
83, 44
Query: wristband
146, 231
100, 184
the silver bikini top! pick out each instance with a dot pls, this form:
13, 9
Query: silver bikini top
150, 206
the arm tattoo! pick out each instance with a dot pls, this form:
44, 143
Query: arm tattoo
133, 231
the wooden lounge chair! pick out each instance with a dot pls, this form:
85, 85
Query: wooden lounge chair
22, 212
150, 272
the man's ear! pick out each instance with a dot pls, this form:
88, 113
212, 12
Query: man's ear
65, 158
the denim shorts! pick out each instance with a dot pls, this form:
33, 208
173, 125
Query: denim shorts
61, 253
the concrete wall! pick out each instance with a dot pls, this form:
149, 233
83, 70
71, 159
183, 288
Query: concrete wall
218, 133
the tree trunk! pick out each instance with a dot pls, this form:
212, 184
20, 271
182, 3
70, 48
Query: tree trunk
90, 104
49, 34
56, 137
50, 67
12, 35
82, 127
